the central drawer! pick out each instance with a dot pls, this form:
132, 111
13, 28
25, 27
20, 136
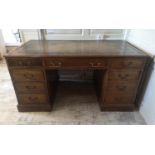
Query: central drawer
32, 98
27, 75
30, 87
69, 63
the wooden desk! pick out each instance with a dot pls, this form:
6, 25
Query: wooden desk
119, 71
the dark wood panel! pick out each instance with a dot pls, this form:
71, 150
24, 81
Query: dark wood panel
115, 98
121, 87
32, 98
34, 107
27, 75
120, 63
30, 87
114, 107
19, 62
124, 75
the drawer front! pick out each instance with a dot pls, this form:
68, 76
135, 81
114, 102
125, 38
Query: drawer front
121, 63
121, 87
124, 75
27, 75
32, 98
30, 87
17, 62
119, 99
95, 63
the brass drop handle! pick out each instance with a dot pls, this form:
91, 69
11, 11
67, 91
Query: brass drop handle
26, 63
30, 87
128, 63
123, 76
32, 98
58, 64
97, 64
29, 76
121, 88
91, 64
52, 63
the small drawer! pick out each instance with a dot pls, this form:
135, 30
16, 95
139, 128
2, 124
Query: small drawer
124, 75
17, 62
81, 63
120, 63
27, 75
119, 99
30, 87
32, 98
121, 87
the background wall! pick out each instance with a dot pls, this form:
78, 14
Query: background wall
29, 34
145, 40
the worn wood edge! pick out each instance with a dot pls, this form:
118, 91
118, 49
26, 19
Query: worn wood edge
141, 49
34, 108
144, 82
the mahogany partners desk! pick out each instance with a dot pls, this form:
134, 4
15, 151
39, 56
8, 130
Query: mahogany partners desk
119, 71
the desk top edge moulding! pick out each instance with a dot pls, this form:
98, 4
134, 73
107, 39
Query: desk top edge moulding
40, 48
120, 72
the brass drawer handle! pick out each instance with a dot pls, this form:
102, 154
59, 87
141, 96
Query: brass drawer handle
121, 88
123, 76
51, 63
29, 76
30, 87
91, 64
98, 64
58, 64
32, 98
127, 64
24, 63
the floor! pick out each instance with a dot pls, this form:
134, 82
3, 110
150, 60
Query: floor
71, 107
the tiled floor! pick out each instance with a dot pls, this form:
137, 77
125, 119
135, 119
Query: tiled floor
71, 106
